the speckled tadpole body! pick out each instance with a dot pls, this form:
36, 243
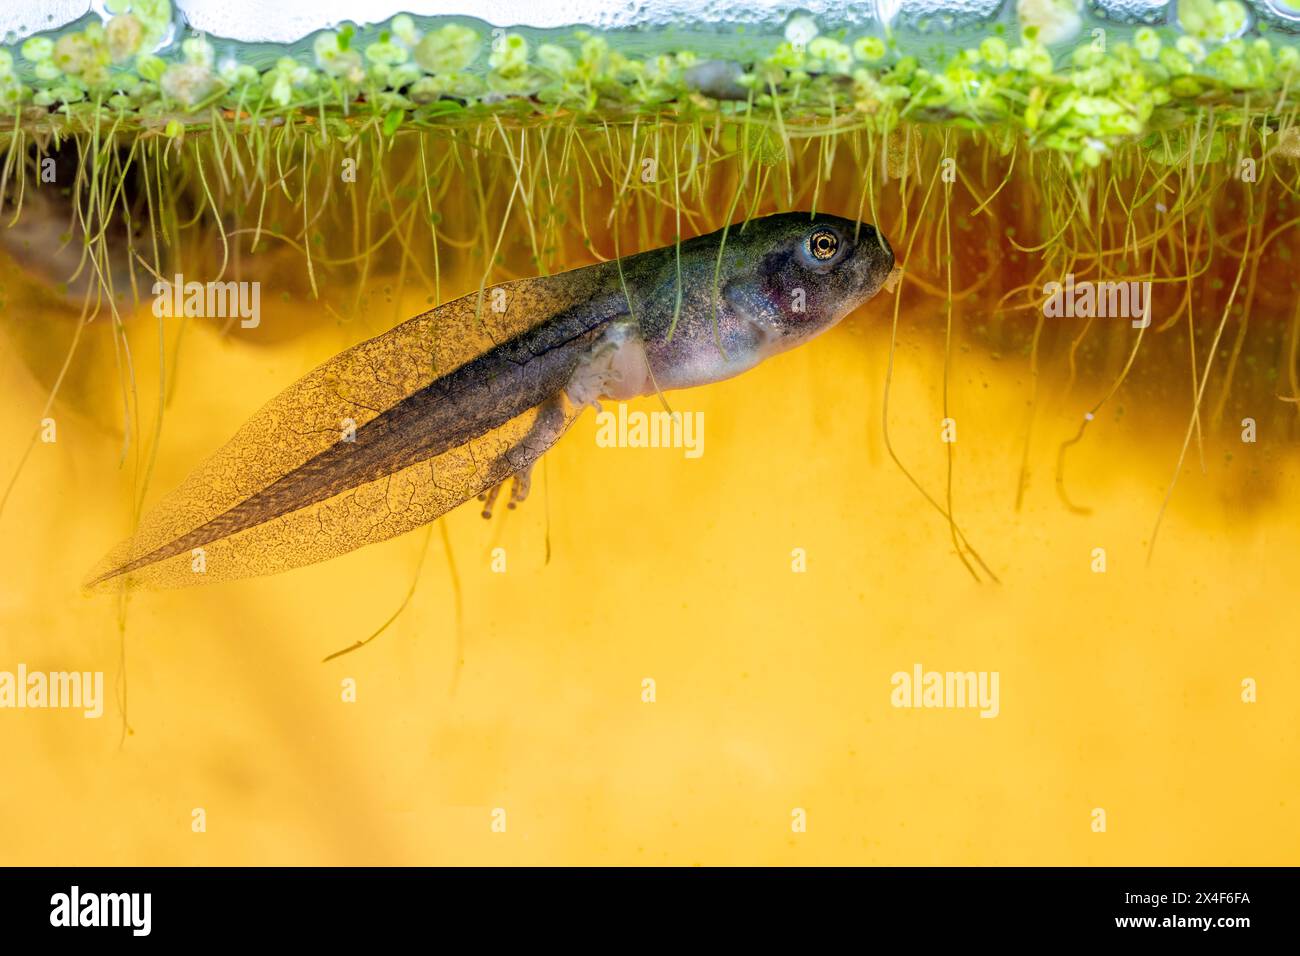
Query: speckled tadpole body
400, 429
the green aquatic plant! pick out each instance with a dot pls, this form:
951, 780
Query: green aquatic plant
1083, 101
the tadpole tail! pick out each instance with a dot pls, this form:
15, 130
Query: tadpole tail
282, 493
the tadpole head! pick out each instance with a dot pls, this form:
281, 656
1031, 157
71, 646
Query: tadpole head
808, 273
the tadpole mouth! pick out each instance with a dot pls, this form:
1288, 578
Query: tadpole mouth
874, 259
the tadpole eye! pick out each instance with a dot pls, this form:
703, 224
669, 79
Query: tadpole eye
823, 244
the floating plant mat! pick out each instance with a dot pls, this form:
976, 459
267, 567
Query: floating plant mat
1032, 71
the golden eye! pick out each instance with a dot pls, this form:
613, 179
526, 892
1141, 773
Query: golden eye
822, 244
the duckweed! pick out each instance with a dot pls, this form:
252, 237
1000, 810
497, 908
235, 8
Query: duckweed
1082, 99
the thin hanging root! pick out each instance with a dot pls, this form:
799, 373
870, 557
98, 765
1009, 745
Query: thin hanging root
929, 289
947, 369
1293, 352
525, 193
45, 411
1022, 479
884, 410
121, 686
216, 212
1200, 393
458, 616
983, 206
1191, 336
1216, 416
1092, 412
306, 225
405, 602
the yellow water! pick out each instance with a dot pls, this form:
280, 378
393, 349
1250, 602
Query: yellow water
1119, 690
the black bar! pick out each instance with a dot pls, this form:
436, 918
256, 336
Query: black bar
328, 906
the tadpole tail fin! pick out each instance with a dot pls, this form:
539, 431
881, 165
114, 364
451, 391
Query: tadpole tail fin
366, 513
369, 446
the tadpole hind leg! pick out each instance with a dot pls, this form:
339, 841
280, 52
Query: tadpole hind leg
546, 428
489, 498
